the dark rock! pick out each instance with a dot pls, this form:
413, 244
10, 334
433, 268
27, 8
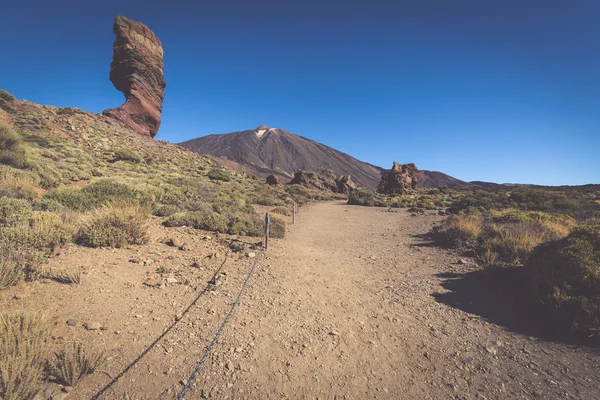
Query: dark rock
137, 71
272, 180
71, 322
173, 242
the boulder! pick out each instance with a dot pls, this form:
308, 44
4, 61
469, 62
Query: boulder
272, 180
137, 71
401, 179
345, 184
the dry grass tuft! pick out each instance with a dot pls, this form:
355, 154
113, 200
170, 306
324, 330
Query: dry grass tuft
70, 276
115, 225
24, 345
11, 267
459, 228
73, 363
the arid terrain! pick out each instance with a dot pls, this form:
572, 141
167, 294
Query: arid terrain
353, 303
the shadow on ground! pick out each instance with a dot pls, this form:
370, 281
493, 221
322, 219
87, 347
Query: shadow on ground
499, 295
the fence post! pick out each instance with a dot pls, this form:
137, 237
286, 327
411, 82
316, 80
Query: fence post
293, 213
267, 223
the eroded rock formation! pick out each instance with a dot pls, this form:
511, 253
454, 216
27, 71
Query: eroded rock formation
323, 179
345, 184
272, 180
137, 71
401, 179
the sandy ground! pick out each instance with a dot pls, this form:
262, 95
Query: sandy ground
353, 304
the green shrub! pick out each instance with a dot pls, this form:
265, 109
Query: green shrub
12, 267
277, 228
282, 210
13, 211
42, 230
6, 101
362, 197
11, 150
115, 225
166, 210
214, 222
250, 225
94, 195
126, 155
565, 276
219, 175
186, 218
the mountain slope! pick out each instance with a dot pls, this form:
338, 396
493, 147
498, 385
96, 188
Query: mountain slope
283, 152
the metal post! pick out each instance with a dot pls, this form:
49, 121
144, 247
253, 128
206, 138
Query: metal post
293, 213
267, 222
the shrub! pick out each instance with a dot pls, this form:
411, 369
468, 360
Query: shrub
165, 210
24, 343
251, 225
20, 185
186, 218
11, 267
6, 101
457, 229
115, 225
13, 211
73, 363
219, 175
11, 151
362, 197
277, 228
213, 222
565, 276
281, 211
94, 195
126, 155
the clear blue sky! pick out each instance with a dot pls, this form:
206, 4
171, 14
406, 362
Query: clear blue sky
493, 90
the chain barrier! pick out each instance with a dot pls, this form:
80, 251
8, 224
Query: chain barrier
212, 344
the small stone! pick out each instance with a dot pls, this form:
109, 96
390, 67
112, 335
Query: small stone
184, 247
18, 296
462, 261
67, 389
71, 322
251, 254
207, 237
334, 333
170, 279
138, 316
93, 326
173, 242
229, 385
491, 350
151, 282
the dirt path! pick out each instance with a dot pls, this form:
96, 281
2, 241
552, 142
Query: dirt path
353, 304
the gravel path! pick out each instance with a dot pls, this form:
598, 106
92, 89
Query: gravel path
355, 304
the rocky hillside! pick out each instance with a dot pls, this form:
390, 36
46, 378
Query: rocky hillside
283, 152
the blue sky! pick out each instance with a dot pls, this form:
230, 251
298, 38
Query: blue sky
501, 91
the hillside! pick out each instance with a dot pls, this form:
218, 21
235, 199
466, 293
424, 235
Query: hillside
283, 152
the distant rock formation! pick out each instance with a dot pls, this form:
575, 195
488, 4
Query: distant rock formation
272, 180
401, 179
345, 184
137, 71
323, 179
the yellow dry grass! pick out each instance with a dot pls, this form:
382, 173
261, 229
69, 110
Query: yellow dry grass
24, 345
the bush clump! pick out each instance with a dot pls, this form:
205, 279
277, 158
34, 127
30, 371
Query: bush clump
24, 344
127, 155
362, 197
204, 220
219, 175
277, 228
11, 150
94, 195
458, 229
565, 275
115, 225
282, 210
73, 363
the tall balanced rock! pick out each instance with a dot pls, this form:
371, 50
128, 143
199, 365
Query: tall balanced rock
402, 178
137, 71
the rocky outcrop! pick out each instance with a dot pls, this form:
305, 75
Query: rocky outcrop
345, 184
272, 180
323, 179
137, 71
401, 179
